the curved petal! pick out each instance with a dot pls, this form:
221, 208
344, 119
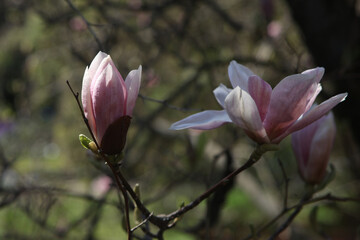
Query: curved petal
243, 111
203, 120
320, 150
301, 143
300, 150
86, 86
132, 83
96, 63
108, 97
312, 100
313, 115
239, 75
86, 100
289, 100
220, 94
260, 91
100, 70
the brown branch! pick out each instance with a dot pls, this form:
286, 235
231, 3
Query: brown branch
164, 222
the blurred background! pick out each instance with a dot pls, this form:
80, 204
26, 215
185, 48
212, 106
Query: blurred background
52, 188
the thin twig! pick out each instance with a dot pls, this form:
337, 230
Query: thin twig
124, 193
286, 183
142, 223
87, 24
76, 96
326, 197
286, 223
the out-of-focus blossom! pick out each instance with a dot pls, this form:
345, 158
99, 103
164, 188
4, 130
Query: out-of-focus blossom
77, 24
312, 146
108, 102
274, 29
267, 115
100, 186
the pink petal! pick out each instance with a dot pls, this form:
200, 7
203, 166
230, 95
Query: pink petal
86, 100
100, 70
239, 75
132, 83
243, 111
260, 91
85, 91
108, 96
320, 150
301, 142
96, 63
314, 114
289, 100
203, 120
301, 150
220, 94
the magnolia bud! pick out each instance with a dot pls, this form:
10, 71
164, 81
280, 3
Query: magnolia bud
108, 102
312, 146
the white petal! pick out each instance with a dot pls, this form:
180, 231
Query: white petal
243, 111
132, 83
220, 94
203, 120
239, 75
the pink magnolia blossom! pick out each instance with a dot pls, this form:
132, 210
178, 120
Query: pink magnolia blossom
267, 115
312, 146
108, 102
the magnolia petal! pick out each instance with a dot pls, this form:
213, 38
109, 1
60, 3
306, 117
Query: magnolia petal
86, 86
301, 144
300, 149
108, 97
100, 70
96, 63
239, 75
203, 120
220, 94
312, 100
243, 111
289, 100
320, 149
86, 100
132, 83
313, 114
260, 91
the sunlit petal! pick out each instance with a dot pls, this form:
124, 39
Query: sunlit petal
243, 111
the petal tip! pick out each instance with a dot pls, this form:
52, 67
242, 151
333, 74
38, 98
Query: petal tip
344, 96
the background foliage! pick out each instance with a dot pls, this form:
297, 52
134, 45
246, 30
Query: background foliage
49, 187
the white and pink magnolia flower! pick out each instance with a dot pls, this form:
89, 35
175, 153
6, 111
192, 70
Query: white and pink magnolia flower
312, 146
108, 102
267, 115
